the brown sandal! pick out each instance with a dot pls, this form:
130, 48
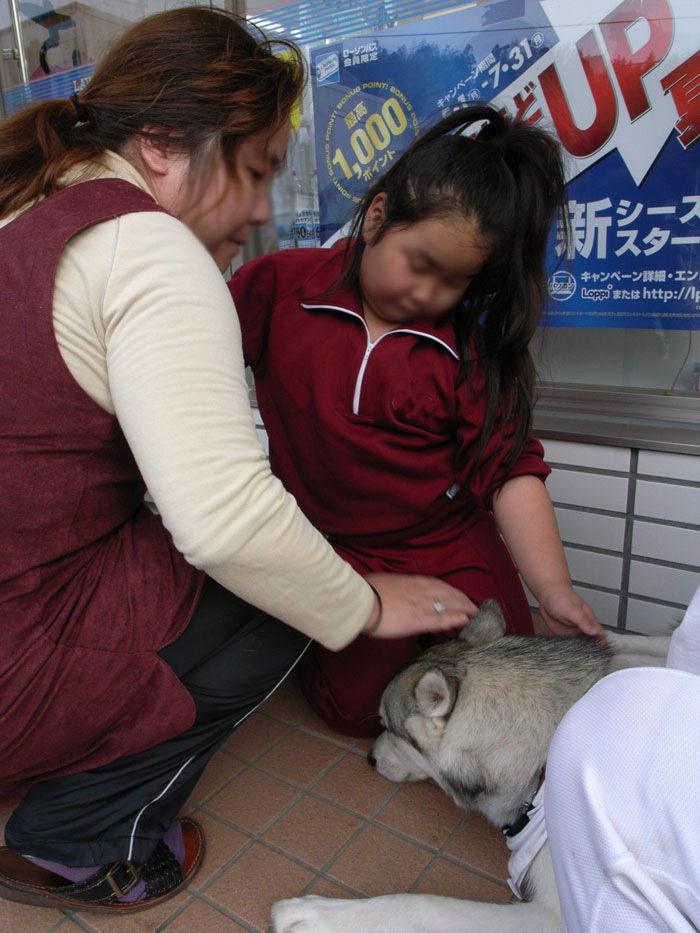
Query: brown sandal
23, 881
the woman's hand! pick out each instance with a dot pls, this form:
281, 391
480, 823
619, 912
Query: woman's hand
565, 613
412, 604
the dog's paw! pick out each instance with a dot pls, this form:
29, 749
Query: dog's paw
301, 915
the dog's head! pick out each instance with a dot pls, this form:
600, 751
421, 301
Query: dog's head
419, 741
477, 714
417, 703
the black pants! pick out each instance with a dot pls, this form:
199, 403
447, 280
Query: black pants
230, 658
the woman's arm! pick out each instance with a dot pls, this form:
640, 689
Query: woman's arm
525, 517
176, 382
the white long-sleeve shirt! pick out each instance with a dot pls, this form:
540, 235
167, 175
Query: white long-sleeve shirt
146, 326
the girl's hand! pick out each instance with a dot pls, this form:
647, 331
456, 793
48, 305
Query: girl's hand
567, 614
412, 604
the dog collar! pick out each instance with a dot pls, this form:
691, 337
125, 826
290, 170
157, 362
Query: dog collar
519, 824
525, 838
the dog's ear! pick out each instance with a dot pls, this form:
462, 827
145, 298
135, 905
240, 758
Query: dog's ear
489, 625
435, 694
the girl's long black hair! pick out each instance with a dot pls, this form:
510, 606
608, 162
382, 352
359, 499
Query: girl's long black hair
509, 179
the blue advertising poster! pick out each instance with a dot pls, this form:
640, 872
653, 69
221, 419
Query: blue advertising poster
617, 82
57, 84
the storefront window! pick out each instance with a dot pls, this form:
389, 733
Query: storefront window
49, 49
616, 81
652, 358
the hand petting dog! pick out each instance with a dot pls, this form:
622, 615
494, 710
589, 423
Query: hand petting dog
409, 604
565, 613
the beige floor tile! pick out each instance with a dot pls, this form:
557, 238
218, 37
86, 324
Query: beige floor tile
145, 921
450, 880
203, 918
325, 888
422, 812
251, 800
221, 844
313, 831
255, 881
377, 862
287, 703
355, 784
255, 736
19, 918
220, 769
300, 757
363, 746
313, 723
481, 845
287, 739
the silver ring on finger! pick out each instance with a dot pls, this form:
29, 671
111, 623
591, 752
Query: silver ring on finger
439, 606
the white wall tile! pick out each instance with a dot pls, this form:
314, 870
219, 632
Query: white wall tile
666, 542
263, 438
590, 455
531, 601
664, 583
589, 567
591, 529
605, 605
664, 500
592, 490
651, 619
668, 465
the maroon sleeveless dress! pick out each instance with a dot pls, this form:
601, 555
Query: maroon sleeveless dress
91, 585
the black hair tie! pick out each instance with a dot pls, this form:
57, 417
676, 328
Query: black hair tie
499, 145
490, 134
82, 114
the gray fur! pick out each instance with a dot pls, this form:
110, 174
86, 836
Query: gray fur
490, 694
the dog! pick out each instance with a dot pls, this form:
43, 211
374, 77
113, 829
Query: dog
476, 715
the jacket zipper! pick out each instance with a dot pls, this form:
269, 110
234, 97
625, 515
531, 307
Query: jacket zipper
363, 367
371, 346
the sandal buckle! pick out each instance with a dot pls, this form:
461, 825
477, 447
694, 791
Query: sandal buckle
130, 882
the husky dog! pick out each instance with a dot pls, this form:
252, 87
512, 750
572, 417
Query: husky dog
476, 715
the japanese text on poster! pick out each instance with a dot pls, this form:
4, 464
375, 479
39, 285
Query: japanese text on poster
617, 82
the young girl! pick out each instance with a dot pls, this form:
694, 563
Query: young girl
395, 383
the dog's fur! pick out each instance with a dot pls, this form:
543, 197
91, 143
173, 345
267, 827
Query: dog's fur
476, 715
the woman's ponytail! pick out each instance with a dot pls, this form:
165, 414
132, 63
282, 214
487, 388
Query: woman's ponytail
37, 146
189, 77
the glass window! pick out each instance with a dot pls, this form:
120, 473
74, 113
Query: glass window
650, 358
49, 48
614, 84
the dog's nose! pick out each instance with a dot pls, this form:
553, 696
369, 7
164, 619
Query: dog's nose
371, 759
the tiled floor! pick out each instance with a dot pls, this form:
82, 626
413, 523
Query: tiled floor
290, 807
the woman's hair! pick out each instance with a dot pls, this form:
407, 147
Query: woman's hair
509, 181
192, 77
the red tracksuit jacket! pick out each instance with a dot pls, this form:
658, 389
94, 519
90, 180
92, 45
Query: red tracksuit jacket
375, 440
